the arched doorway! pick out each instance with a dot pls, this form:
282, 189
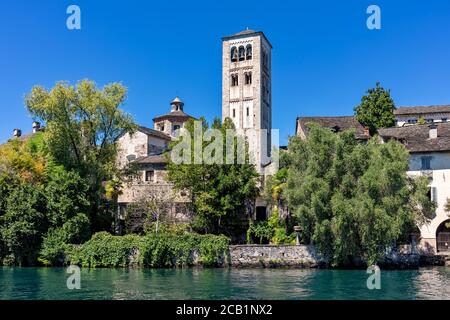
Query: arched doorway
443, 237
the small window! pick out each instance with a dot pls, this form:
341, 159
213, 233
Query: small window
176, 127
234, 113
248, 78
429, 120
444, 119
426, 163
412, 121
150, 176
161, 128
248, 112
234, 80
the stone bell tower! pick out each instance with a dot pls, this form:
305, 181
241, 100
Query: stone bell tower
247, 90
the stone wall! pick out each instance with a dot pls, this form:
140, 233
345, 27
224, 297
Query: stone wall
275, 256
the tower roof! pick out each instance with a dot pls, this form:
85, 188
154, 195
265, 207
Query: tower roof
247, 33
177, 100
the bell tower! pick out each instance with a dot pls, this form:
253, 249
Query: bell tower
247, 90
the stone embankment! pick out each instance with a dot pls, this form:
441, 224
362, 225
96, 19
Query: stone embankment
306, 256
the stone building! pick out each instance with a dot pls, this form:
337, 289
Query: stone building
246, 99
247, 90
145, 149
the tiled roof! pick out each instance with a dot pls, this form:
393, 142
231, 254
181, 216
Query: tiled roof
159, 158
153, 132
421, 110
416, 137
177, 113
340, 123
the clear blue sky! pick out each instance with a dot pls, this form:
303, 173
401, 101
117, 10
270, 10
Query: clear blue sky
324, 57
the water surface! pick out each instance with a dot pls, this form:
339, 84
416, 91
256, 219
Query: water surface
50, 283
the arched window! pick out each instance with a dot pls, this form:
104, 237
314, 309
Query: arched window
249, 52
234, 80
443, 237
241, 53
234, 54
248, 78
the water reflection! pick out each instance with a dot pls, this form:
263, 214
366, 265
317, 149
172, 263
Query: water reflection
122, 284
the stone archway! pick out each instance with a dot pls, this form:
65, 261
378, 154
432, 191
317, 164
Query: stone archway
443, 237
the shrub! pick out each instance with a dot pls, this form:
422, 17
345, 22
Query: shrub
155, 250
54, 248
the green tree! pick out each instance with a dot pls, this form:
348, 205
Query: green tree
221, 194
23, 224
82, 124
376, 109
351, 199
37, 196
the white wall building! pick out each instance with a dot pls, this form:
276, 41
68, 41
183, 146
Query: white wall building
429, 147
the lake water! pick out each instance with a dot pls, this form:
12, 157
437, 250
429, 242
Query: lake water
50, 283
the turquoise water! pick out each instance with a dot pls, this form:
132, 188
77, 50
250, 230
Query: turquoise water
50, 283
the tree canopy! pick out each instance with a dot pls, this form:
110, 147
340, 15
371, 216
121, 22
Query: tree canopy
376, 109
82, 123
222, 194
352, 199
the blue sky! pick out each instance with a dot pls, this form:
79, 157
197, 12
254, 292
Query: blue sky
324, 57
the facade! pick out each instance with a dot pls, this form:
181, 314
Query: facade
247, 90
145, 149
429, 147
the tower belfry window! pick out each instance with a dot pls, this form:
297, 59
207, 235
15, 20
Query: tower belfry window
234, 54
249, 52
241, 53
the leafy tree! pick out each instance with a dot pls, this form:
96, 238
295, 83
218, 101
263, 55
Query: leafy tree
23, 223
376, 109
221, 194
82, 125
351, 199
37, 196
66, 195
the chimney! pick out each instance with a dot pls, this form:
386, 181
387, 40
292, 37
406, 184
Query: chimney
432, 133
36, 126
366, 131
17, 133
